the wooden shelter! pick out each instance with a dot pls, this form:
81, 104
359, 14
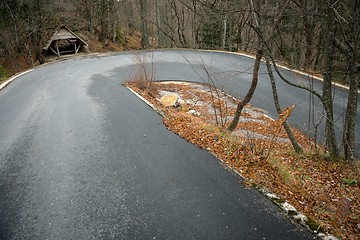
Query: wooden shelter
64, 41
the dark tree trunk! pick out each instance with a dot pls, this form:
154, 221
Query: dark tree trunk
329, 34
290, 134
144, 25
351, 110
250, 93
37, 24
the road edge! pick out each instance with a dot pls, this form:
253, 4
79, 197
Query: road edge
7, 82
248, 55
146, 101
281, 66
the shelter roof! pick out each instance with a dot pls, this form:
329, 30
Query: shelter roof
63, 33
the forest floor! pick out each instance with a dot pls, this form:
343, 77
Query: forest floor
326, 192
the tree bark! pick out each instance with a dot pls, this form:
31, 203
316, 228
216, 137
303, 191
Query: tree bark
290, 134
144, 25
351, 52
330, 137
250, 93
351, 112
223, 30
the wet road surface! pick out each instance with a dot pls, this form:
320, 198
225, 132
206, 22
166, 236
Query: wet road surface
83, 158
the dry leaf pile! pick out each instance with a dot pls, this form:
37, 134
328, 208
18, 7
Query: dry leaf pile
314, 185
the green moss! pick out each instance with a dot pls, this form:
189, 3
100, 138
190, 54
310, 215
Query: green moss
3, 73
349, 181
292, 213
314, 226
279, 200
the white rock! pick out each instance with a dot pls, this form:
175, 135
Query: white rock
326, 237
180, 102
287, 207
193, 112
272, 196
301, 218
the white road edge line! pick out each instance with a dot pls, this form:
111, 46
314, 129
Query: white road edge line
283, 67
147, 102
4, 84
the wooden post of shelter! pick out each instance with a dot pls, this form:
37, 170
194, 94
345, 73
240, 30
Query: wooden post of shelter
57, 48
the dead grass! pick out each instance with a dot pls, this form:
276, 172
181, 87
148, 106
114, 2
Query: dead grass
308, 181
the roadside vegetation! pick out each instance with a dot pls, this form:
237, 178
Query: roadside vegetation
260, 150
3, 74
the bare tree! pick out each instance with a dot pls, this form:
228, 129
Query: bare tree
250, 93
144, 24
329, 35
349, 46
287, 128
258, 25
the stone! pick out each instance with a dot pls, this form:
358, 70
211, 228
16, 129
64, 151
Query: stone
193, 112
271, 196
323, 236
288, 207
169, 100
301, 218
181, 102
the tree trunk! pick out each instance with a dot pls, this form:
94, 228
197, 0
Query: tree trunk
144, 25
194, 25
223, 31
330, 28
159, 25
351, 109
251, 91
290, 134
103, 24
35, 35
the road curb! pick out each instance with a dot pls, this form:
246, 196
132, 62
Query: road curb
7, 82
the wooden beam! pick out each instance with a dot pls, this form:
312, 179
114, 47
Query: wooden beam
57, 48
78, 48
67, 51
53, 50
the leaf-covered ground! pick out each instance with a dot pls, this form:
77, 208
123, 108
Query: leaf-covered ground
327, 192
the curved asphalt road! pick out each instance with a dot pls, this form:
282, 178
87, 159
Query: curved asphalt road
83, 158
